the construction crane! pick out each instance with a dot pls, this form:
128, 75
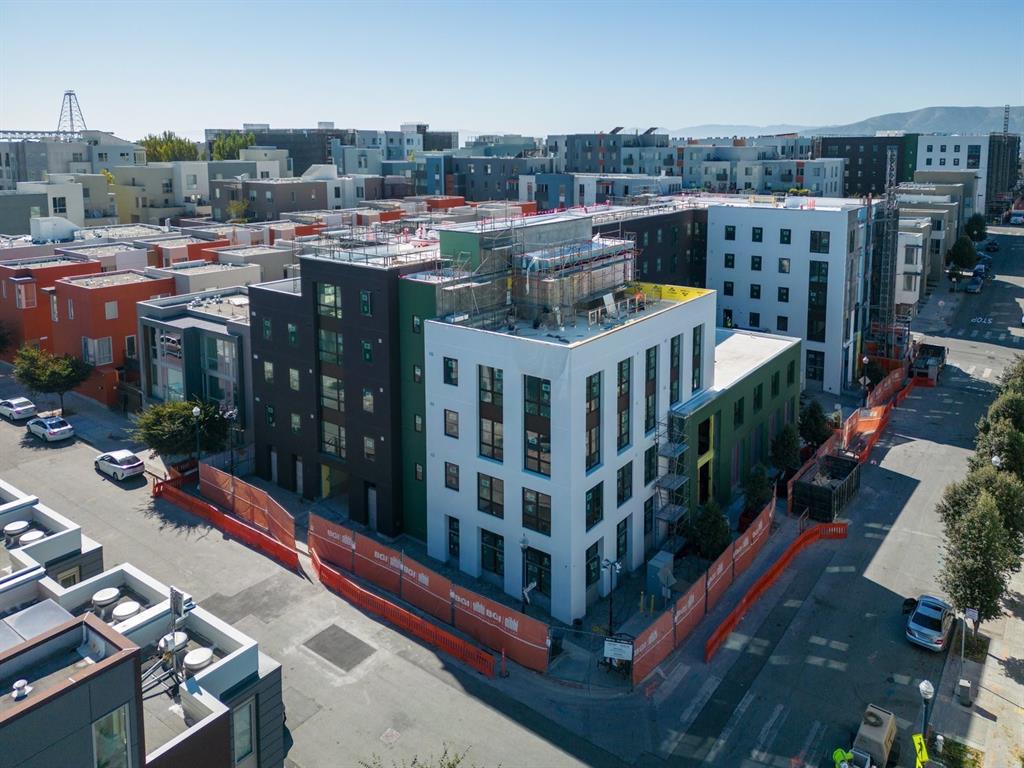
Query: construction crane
71, 120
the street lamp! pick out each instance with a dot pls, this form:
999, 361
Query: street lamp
613, 567
927, 691
232, 416
864, 377
997, 462
195, 415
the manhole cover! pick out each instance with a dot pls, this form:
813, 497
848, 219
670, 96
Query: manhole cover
390, 736
343, 649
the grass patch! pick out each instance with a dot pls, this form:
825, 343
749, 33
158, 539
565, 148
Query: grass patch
976, 647
958, 755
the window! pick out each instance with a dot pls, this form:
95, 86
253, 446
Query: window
110, 310
625, 369
490, 495
650, 465
417, 422
674, 355
491, 385
367, 349
783, 295
622, 539
784, 266
593, 420
537, 570
296, 422
815, 365
927, 161
537, 397
293, 334
268, 372
451, 371
330, 346
785, 236
418, 471
755, 263
956, 161
492, 552
451, 423
268, 328
819, 241
649, 516
366, 303
593, 560
417, 373
269, 414
790, 373
817, 300
453, 537
25, 298
332, 393
775, 384
370, 451
328, 300
755, 319
650, 389
537, 511
737, 413
730, 232
537, 452
367, 400
755, 291
53, 304
727, 288
909, 282
697, 358
929, 149
293, 379
782, 323
130, 347
594, 505
756, 234
60, 205
624, 484
417, 324
758, 397
942, 161
942, 148
730, 260
110, 739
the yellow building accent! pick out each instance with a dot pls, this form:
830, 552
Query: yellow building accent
671, 292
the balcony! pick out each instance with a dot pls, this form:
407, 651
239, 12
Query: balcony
722, 176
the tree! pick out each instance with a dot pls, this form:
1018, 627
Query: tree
757, 488
170, 428
108, 176
237, 210
785, 450
1005, 489
40, 371
710, 532
445, 760
962, 254
227, 145
1008, 406
814, 425
977, 562
1012, 377
975, 227
168, 146
6, 337
1001, 439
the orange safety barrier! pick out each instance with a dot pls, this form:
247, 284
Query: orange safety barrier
252, 504
232, 526
652, 646
719, 577
406, 621
522, 638
767, 579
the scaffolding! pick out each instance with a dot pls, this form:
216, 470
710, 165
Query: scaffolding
891, 329
672, 486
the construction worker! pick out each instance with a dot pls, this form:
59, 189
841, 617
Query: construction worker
842, 758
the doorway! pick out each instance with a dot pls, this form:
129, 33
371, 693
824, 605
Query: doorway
273, 464
371, 506
297, 468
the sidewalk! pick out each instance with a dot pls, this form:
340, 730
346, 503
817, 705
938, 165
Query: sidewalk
994, 724
936, 316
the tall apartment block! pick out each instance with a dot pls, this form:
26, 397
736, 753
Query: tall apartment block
866, 158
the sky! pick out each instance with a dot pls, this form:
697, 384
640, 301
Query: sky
512, 67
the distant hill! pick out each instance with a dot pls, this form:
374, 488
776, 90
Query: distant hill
965, 120
725, 129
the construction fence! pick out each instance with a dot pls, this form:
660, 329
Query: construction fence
675, 624
518, 636
247, 502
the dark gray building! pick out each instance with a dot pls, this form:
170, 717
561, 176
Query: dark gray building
866, 158
266, 199
306, 146
18, 208
617, 152
1003, 171
494, 178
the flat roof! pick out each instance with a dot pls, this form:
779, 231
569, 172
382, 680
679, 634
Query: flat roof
129, 231
108, 279
252, 250
288, 285
830, 204
39, 262
201, 269
171, 242
385, 255
738, 352
522, 221
101, 249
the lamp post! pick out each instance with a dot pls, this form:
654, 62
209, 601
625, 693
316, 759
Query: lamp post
196, 411
232, 416
864, 377
997, 462
613, 567
927, 691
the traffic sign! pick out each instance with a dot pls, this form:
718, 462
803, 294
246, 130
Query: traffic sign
864, 381
920, 750
971, 614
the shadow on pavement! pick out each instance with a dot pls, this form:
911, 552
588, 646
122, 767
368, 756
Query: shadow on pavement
1014, 669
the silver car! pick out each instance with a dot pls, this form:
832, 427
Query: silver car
119, 464
930, 623
15, 408
50, 429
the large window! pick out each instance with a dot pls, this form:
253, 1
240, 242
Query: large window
110, 739
537, 511
650, 389
624, 484
453, 537
819, 241
332, 439
492, 439
491, 385
537, 397
594, 504
674, 356
622, 539
624, 375
451, 371
332, 393
593, 420
697, 357
538, 452
817, 300
492, 552
650, 464
328, 300
593, 563
490, 495
815, 365
490, 399
537, 570
330, 346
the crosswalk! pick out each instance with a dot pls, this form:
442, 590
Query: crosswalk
989, 335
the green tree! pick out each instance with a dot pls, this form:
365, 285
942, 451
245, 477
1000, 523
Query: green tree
41, 371
785, 450
963, 255
757, 488
975, 227
710, 532
1008, 406
978, 560
445, 760
227, 145
1006, 490
1001, 439
814, 425
168, 146
108, 176
1012, 377
170, 428
237, 210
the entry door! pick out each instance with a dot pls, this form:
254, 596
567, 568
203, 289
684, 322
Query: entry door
298, 475
273, 465
371, 505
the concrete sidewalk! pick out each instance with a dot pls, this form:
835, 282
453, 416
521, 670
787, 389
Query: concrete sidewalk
994, 724
936, 316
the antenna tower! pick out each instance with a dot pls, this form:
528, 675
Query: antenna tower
1006, 119
71, 120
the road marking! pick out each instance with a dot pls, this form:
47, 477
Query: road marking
988, 334
974, 333
697, 702
768, 734
961, 331
986, 373
1002, 336
730, 726
971, 370
801, 759
669, 685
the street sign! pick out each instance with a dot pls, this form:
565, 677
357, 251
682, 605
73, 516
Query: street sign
864, 381
618, 649
920, 750
971, 614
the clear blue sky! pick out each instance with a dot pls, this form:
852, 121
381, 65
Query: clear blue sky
528, 67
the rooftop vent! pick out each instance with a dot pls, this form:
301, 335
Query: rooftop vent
21, 690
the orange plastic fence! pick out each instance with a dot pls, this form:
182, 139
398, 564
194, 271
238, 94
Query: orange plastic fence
769, 577
252, 504
441, 639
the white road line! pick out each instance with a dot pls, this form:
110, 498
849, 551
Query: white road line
767, 735
1002, 336
974, 333
730, 726
803, 757
961, 331
670, 684
697, 702
988, 334
986, 373
971, 370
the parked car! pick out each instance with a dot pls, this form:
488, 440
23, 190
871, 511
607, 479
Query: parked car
930, 623
992, 247
119, 464
50, 429
975, 285
17, 408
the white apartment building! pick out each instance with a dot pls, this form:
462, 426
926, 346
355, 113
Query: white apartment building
912, 265
64, 197
797, 268
941, 152
538, 440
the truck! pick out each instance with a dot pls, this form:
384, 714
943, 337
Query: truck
929, 360
875, 744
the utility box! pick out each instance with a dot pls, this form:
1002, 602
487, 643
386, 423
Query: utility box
659, 573
827, 487
963, 691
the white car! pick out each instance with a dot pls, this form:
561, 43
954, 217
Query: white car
119, 464
50, 429
15, 408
